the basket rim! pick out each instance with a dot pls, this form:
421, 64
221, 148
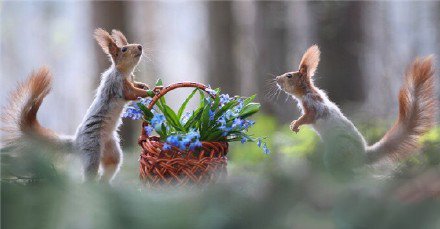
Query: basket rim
143, 139
157, 139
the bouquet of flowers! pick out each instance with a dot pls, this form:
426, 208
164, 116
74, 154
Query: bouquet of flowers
219, 118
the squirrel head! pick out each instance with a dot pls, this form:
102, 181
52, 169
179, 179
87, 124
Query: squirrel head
300, 82
125, 56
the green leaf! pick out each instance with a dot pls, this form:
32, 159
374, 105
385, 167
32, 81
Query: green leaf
159, 130
192, 121
164, 134
204, 124
216, 102
213, 135
146, 111
225, 107
150, 93
248, 100
185, 103
202, 97
249, 110
172, 118
237, 136
162, 101
159, 82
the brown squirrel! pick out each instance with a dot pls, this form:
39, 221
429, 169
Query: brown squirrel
96, 138
346, 148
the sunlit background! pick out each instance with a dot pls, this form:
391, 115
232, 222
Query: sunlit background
237, 46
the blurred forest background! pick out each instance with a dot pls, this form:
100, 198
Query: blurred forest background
237, 46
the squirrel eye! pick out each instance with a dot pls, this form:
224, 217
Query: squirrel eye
289, 75
124, 49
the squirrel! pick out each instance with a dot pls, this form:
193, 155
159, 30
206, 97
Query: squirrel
345, 147
96, 138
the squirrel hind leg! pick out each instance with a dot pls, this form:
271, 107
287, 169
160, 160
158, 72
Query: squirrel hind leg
111, 160
91, 165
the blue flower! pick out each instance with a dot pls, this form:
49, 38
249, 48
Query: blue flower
192, 134
224, 98
265, 149
259, 142
222, 121
132, 113
145, 101
210, 91
166, 146
238, 123
185, 117
243, 140
157, 120
211, 115
184, 143
229, 114
173, 140
247, 124
225, 129
148, 129
239, 106
195, 145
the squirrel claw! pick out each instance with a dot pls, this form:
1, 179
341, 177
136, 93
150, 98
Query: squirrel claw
294, 127
142, 86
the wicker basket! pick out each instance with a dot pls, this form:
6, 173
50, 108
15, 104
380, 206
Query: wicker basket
175, 167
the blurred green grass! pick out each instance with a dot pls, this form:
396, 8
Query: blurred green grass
287, 189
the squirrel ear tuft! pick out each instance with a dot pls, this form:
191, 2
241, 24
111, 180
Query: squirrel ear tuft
310, 60
106, 42
119, 37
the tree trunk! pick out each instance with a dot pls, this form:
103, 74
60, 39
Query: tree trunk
340, 50
271, 43
221, 63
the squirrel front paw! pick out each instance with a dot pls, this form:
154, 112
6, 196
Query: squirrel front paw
141, 85
294, 127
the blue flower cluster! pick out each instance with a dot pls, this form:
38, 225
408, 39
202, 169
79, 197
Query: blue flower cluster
263, 146
157, 120
230, 120
133, 111
223, 125
211, 92
148, 129
190, 141
224, 98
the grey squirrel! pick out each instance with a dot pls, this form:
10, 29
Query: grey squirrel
96, 138
346, 148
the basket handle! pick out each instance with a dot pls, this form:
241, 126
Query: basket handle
160, 91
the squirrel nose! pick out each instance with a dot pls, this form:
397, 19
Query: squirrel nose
140, 47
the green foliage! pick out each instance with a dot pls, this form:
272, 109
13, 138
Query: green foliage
250, 154
431, 146
217, 118
297, 144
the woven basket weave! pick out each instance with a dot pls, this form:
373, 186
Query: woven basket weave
175, 167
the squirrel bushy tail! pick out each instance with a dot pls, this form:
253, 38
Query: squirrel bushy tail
417, 113
19, 117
